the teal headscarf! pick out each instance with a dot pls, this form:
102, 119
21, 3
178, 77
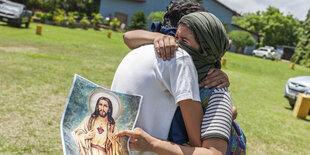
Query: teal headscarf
212, 38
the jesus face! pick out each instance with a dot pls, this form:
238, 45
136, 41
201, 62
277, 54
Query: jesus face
103, 107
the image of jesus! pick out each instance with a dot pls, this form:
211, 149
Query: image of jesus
96, 133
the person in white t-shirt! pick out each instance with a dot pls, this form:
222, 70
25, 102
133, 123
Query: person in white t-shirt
144, 142
164, 85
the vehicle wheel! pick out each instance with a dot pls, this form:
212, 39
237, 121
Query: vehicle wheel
264, 57
27, 24
292, 103
17, 24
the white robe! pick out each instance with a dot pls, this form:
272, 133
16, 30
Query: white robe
84, 145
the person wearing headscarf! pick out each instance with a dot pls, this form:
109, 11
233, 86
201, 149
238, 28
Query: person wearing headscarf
203, 36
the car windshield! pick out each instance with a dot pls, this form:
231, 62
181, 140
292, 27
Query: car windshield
11, 7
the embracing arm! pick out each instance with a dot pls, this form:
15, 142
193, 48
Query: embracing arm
165, 45
192, 114
142, 141
134, 39
214, 146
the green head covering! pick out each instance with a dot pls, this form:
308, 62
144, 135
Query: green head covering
211, 36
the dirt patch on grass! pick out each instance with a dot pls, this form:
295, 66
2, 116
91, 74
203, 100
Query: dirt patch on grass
19, 49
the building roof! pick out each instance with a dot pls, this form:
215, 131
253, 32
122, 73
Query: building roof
244, 29
233, 11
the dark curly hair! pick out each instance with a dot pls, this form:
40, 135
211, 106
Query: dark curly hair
176, 10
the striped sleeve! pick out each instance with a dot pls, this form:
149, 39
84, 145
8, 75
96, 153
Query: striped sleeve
217, 119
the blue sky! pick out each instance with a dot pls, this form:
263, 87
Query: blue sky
298, 8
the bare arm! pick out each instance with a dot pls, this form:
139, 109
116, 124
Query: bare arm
142, 141
136, 38
214, 146
165, 45
192, 115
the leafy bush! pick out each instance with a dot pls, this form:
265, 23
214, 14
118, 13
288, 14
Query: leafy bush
75, 13
156, 16
138, 21
114, 23
39, 15
241, 39
85, 22
48, 16
72, 19
59, 16
96, 21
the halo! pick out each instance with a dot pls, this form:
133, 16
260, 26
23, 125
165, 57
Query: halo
116, 102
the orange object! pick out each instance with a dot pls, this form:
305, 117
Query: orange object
276, 59
39, 30
302, 106
292, 66
223, 62
109, 34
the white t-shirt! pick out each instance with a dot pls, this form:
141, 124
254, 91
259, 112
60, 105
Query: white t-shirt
161, 83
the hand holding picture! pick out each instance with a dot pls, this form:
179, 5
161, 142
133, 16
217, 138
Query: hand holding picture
139, 139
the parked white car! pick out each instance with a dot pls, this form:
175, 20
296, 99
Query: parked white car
265, 52
294, 86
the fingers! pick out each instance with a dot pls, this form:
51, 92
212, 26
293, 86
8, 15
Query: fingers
211, 71
222, 85
219, 81
165, 47
135, 133
171, 47
215, 77
208, 84
128, 133
156, 45
162, 49
211, 80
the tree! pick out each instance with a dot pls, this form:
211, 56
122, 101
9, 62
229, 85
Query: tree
252, 22
276, 28
157, 16
241, 39
279, 29
302, 52
138, 21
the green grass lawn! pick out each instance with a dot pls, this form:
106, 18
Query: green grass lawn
36, 73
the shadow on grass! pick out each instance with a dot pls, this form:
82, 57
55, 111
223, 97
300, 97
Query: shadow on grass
305, 119
12, 26
291, 110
